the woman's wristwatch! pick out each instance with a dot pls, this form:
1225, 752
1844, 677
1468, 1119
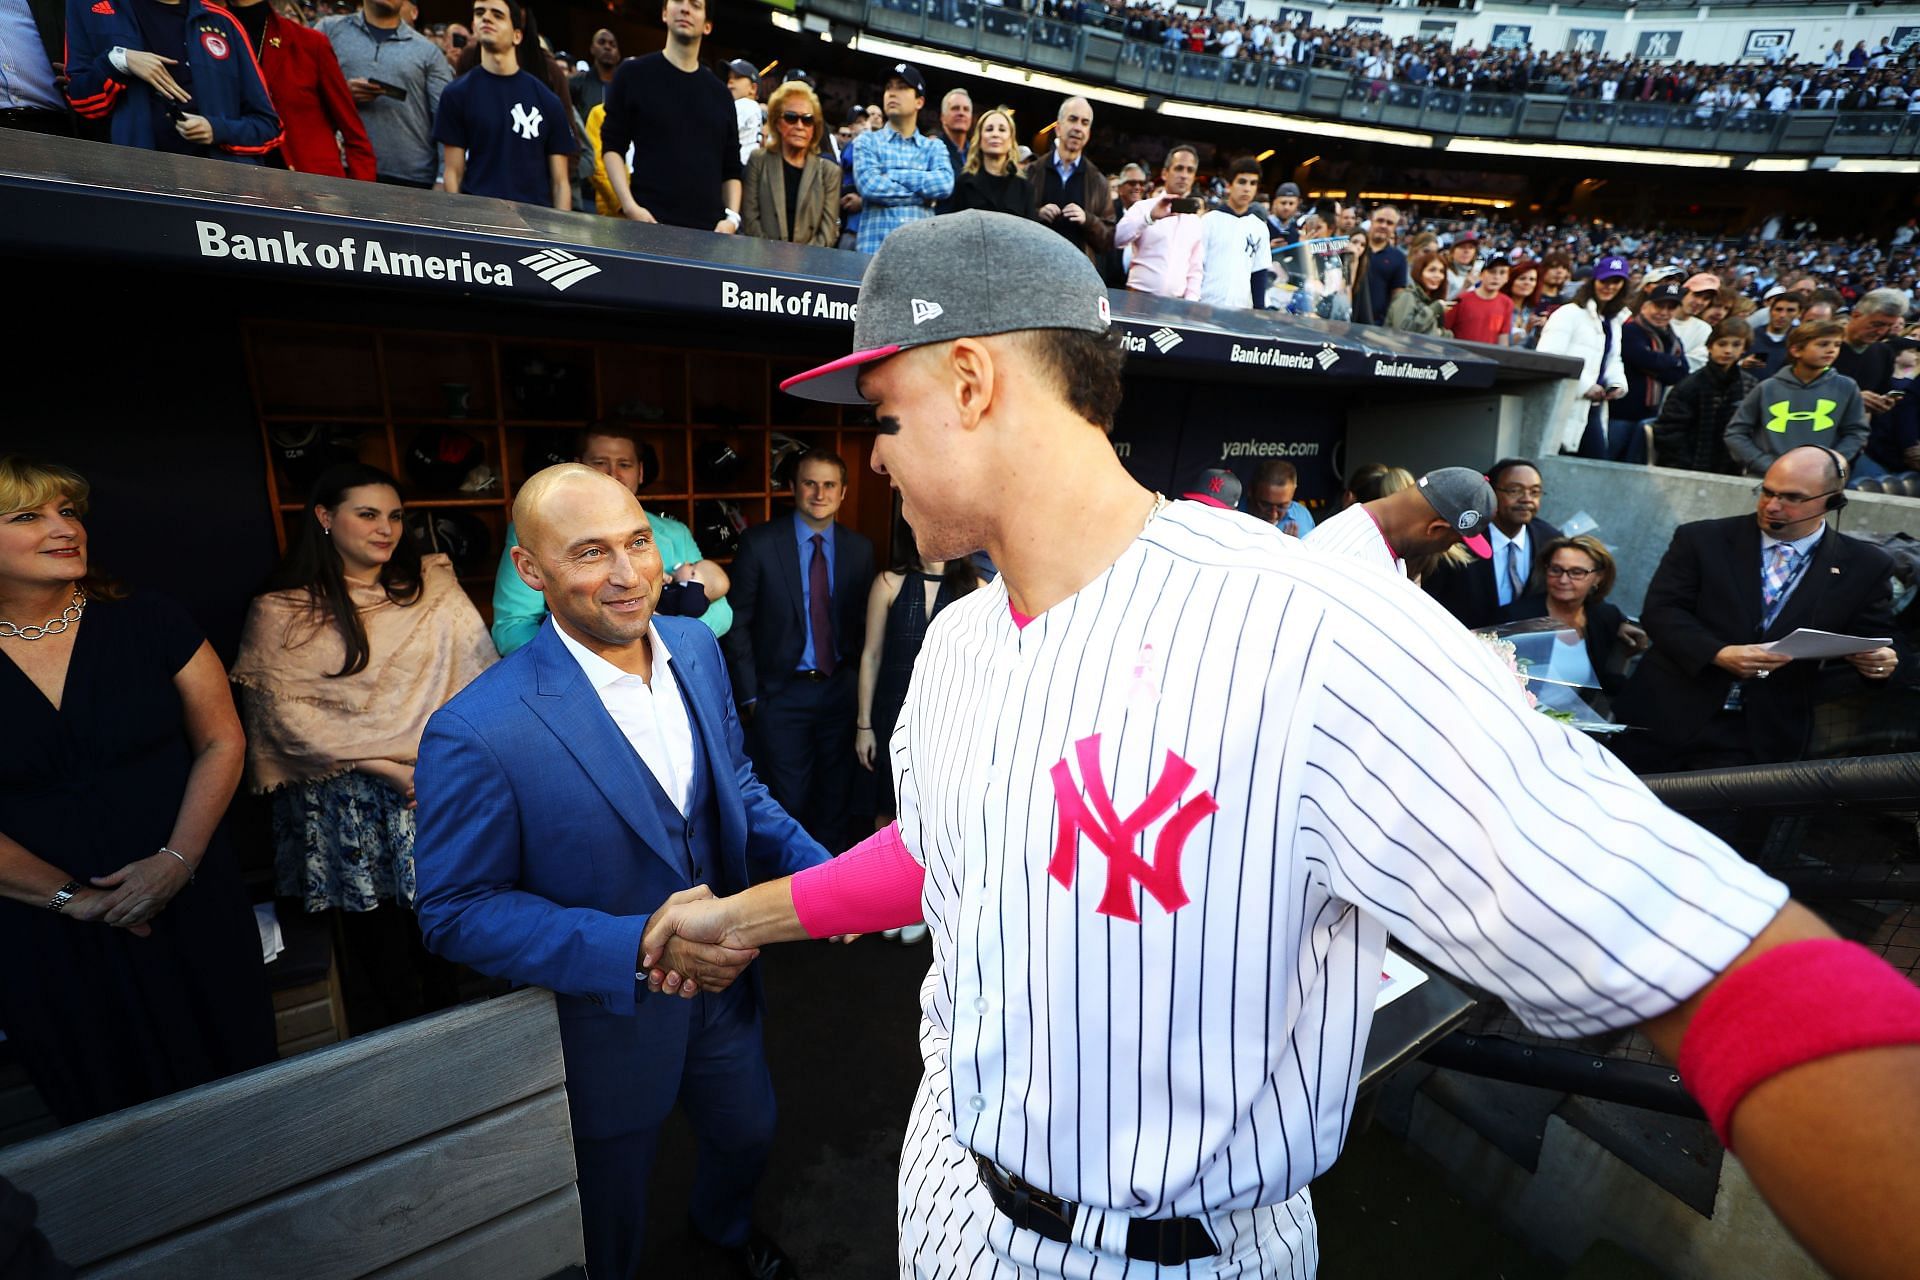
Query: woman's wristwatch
65, 894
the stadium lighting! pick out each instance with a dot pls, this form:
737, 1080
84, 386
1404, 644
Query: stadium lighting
1296, 124
1876, 166
1778, 164
1006, 73
1605, 155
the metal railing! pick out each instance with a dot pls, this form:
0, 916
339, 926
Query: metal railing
1095, 53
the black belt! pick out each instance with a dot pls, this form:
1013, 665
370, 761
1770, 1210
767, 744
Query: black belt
811, 675
1169, 1242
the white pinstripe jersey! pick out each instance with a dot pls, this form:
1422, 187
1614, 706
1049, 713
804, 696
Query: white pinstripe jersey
1354, 532
1330, 756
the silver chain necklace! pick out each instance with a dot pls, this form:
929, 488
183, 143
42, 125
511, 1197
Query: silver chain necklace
53, 627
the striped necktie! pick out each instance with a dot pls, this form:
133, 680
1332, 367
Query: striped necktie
1775, 577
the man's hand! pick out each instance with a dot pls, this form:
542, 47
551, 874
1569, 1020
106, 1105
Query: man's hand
1876, 402
152, 68
723, 227
139, 891
1048, 212
1912, 457
684, 951
1595, 393
195, 129
1877, 665
1073, 213
1636, 640
1746, 661
1614, 393
362, 89
1162, 207
636, 213
851, 202
92, 905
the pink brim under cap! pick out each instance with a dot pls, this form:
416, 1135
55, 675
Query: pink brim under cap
1207, 498
1479, 545
837, 381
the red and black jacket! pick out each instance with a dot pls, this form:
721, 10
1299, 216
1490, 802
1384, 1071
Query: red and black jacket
228, 88
311, 94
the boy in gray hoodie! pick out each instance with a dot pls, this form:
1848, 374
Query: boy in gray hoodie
1805, 403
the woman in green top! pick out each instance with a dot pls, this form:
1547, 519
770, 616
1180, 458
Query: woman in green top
1421, 307
518, 610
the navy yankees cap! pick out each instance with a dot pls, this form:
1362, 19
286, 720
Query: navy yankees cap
926, 286
909, 75
744, 69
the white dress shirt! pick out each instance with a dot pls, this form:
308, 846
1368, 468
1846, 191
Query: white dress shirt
654, 719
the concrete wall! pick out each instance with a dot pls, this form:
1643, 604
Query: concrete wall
1638, 508
1706, 34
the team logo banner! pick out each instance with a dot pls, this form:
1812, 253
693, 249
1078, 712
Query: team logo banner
1587, 40
1297, 17
1767, 40
1510, 35
1658, 44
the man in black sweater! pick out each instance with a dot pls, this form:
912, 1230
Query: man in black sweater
678, 119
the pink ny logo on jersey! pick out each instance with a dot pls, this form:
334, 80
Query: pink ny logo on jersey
1117, 837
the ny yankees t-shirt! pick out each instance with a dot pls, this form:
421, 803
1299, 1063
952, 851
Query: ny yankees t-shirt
1234, 246
509, 125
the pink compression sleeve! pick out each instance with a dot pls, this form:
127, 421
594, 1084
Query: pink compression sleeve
874, 885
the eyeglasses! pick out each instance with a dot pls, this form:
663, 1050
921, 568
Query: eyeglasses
1568, 571
797, 117
1791, 499
1515, 491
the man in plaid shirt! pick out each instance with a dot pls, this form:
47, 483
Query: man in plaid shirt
901, 175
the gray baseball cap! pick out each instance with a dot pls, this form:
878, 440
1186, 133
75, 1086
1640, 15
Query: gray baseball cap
1464, 499
929, 283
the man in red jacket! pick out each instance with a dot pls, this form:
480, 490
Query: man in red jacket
309, 91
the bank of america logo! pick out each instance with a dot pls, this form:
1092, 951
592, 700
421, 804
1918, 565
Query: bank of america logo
1448, 369
1165, 339
560, 268
1327, 357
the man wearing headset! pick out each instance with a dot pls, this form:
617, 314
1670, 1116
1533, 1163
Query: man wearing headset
1711, 694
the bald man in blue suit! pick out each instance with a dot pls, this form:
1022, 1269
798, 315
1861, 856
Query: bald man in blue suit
567, 794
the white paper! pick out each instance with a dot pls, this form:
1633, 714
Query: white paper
271, 941
1398, 975
1808, 643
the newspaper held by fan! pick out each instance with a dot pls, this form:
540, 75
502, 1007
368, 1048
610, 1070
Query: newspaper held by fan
1309, 277
1549, 662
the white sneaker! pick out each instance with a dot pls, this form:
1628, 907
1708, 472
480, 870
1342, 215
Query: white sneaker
913, 933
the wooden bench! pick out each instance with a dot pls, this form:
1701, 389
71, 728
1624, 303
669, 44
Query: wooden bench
438, 1149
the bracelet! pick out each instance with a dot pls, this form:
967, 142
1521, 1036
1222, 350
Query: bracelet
865, 727
183, 860
63, 895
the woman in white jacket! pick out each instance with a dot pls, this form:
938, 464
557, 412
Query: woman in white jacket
1588, 328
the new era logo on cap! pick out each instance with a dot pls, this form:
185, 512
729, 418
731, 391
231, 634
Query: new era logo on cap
1464, 499
924, 311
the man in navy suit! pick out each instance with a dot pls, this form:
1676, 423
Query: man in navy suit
1481, 593
577, 787
799, 622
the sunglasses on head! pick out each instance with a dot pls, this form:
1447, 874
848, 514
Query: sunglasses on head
796, 117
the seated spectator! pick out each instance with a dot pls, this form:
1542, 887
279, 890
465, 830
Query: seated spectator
1691, 431
1588, 328
791, 190
695, 586
1803, 404
358, 640
1709, 695
1234, 244
1577, 574
991, 177
1484, 313
1270, 498
121, 65
1770, 336
669, 139
901, 173
1654, 359
308, 90
122, 982
1422, 307
502, 131
396, 76
1163, 230
1822, 304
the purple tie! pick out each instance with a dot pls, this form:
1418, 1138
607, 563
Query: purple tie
820, 609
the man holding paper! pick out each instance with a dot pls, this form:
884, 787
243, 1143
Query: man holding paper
1713, 692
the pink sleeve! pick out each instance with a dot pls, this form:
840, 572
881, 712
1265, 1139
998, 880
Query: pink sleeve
874, 885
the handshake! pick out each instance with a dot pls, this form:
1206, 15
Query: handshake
696, 942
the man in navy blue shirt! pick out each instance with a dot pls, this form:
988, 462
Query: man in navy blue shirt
502, 131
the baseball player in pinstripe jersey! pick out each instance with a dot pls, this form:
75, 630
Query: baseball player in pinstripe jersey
1165, 785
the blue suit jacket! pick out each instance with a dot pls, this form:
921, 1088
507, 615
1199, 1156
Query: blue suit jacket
541, 856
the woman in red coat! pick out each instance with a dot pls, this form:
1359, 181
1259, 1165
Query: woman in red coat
309, 91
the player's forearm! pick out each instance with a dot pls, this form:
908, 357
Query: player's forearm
763, 914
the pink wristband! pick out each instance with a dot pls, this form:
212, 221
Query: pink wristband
1790, 1006
874, 885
